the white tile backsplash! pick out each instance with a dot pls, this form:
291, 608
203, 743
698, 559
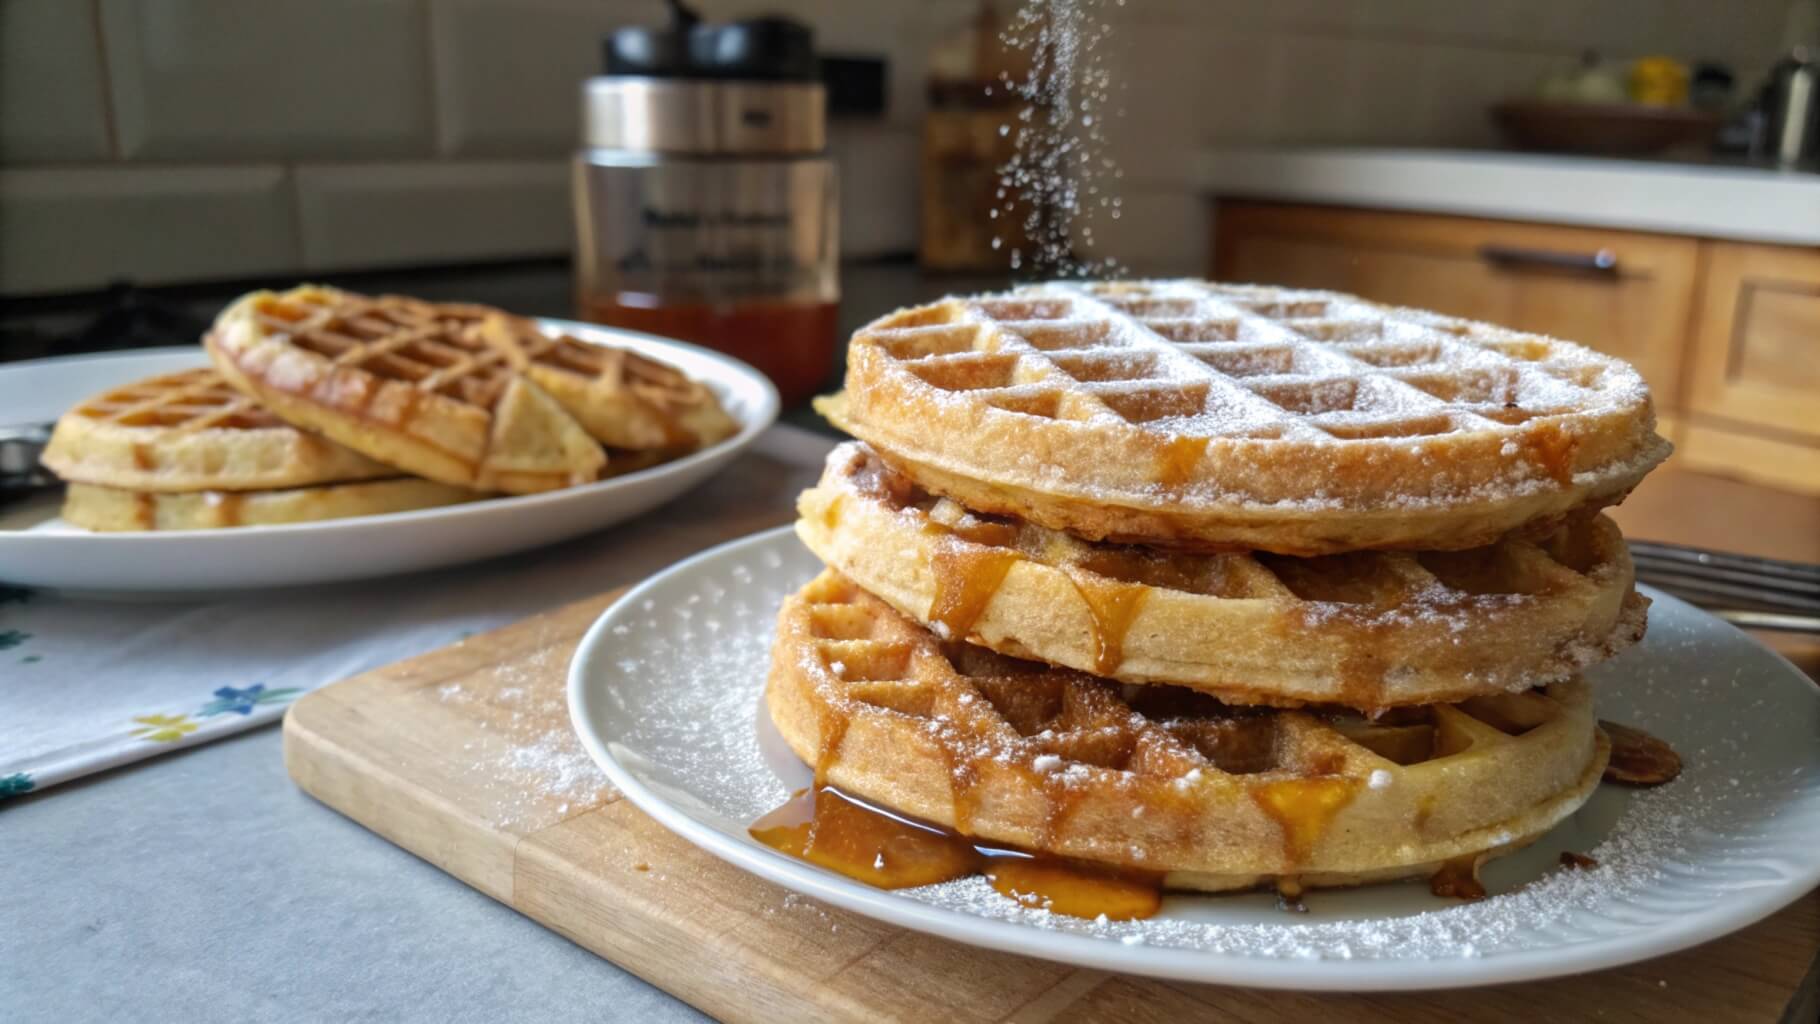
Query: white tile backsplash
359, 216
1316, 84
354, 133
281, 78
509, 72
50, 83
1159, 232
69, 229
878, 168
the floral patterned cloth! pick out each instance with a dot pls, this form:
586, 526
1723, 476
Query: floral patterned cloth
88, 685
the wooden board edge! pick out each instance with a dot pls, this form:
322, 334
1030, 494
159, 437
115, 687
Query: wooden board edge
390, 806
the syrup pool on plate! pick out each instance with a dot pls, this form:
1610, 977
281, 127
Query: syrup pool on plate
827, 827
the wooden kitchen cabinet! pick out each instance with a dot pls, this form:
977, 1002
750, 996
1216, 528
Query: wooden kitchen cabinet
1727, 334
1753, 373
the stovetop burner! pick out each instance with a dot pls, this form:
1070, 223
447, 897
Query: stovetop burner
124, 316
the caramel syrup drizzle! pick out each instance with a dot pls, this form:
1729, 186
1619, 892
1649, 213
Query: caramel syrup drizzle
1304, 808
1115, 605
1458, 879
967, 576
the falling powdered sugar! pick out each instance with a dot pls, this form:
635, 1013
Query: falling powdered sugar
1055, 174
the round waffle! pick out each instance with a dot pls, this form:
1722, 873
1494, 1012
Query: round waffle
622, 398
190, 431
1369, 630
1168, 780
112, 509
1219, 417
406, 382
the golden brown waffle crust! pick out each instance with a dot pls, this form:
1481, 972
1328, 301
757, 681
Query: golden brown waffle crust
895, 723
185, 432
109, 509
1355, 426
519, 440
1515, 615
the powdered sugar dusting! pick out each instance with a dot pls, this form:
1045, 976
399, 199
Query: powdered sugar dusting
531, 769
1736, 825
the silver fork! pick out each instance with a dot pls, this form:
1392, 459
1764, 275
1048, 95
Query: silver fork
1756, 593
20, 446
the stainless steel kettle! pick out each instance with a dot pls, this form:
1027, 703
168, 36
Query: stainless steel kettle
1792, 132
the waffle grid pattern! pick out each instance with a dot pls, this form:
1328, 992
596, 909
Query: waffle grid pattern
1229, 361
433, 347
187, 402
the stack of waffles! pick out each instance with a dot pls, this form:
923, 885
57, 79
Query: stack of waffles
323, 404
1232, 586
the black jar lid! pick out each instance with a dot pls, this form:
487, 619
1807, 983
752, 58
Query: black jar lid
759, 49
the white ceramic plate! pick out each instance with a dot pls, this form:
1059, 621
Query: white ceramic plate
665, 693
37, 549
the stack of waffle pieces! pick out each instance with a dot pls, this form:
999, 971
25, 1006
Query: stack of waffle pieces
1234, 586
324, 404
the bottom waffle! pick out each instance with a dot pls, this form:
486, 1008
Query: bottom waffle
110, 509
1161, 779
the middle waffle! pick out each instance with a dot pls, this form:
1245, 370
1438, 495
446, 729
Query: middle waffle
1370, 630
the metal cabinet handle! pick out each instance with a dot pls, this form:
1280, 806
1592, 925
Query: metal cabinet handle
1603, 261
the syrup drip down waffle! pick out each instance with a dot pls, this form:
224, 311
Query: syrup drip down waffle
1213, 417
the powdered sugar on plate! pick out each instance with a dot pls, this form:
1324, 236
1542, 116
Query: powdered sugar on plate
676, 706
531, 764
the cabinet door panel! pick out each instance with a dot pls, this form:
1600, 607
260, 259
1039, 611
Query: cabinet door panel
1756, 357
1636, 310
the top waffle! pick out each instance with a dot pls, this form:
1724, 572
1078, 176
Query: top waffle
624, 399
406, 382
1222, 417
190, 431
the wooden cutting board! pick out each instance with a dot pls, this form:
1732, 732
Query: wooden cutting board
451, 755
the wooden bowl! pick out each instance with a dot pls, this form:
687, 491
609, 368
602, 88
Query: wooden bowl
1609, 128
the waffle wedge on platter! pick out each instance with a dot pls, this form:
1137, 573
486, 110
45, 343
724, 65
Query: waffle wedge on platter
324, 404
1194, 586
623, 399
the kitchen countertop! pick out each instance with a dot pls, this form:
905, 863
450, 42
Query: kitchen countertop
1708, 200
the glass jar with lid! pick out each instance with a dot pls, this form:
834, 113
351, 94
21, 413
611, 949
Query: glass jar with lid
706, 204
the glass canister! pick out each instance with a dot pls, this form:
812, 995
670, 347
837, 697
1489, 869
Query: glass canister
706, 205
